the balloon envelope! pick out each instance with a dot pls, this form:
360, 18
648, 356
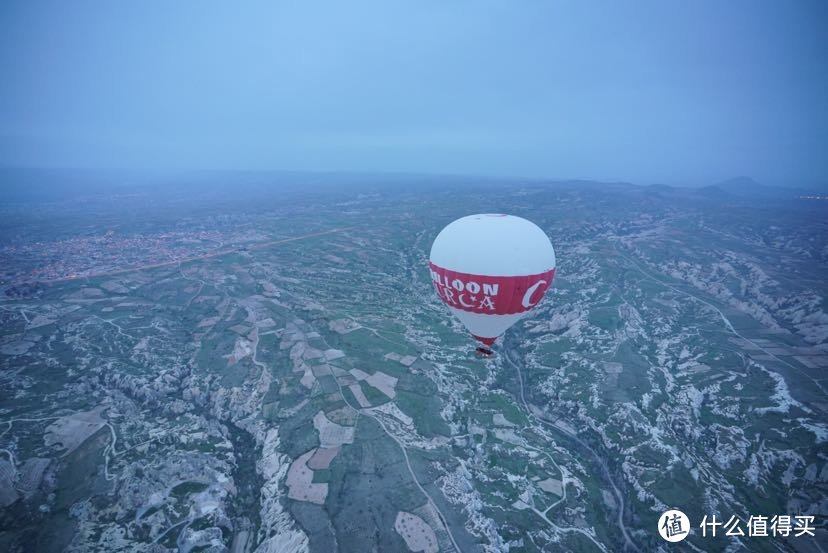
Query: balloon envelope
490, 270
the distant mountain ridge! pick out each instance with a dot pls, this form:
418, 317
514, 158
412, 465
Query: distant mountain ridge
746, 187
49, 184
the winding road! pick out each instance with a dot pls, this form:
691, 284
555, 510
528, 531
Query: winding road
572, 439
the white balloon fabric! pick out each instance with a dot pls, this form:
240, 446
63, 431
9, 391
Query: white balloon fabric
491, 269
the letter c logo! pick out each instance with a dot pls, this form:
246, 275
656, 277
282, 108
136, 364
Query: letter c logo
527, 297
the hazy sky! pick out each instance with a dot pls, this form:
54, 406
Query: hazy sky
678, 92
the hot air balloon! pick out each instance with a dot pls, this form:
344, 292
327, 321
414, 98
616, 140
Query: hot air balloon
491, 270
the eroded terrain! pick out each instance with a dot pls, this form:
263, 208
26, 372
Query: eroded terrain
298, 385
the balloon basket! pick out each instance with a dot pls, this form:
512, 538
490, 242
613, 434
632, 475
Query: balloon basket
483, 352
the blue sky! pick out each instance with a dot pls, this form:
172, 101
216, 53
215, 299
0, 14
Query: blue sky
674, 92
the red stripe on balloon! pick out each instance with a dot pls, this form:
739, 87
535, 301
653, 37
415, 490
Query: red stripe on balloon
490, 295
